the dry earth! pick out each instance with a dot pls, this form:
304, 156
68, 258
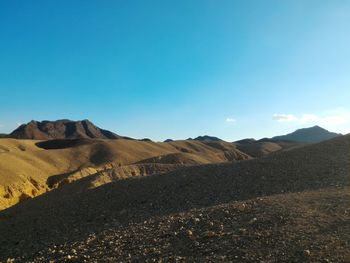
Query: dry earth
29, 168
290, 206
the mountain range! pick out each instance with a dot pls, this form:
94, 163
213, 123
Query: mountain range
67, 129
80, 147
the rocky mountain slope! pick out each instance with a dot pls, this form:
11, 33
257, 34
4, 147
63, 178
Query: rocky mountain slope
61, 129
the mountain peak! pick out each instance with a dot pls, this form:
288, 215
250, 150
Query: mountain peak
207, 138
61, 129
309, 135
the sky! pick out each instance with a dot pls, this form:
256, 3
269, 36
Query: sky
177, 69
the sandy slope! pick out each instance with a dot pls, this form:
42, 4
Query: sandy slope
289, 206
25, 167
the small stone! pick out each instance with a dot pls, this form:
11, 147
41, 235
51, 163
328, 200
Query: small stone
307, 253
253, 220
242, 230
241, 207
210, 234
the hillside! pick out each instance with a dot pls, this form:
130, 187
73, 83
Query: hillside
27, 165
61, 129
264, 147
292, 204
308, 135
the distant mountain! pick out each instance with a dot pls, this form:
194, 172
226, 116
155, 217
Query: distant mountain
244, 141
264, 146
274, 140
169, 140
145, 140
2, 135
206, 138
307, 135
61, 129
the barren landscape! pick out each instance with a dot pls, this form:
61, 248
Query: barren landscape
92, 200
174, 131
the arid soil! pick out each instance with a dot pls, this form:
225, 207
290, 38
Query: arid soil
290, 206
29, 168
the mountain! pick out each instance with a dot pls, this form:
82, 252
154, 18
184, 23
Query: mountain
307, 135
206, 138
298, 138
244, 141
145, 140
61, 129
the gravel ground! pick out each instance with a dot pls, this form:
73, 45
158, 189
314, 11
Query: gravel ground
312, 226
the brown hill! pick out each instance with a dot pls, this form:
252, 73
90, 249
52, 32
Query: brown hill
61, 129
26, 166
289, 206
263, 148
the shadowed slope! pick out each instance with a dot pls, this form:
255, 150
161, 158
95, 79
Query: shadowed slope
310, 226
61, 129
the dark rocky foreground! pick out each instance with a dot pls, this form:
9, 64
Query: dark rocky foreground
305, 227
289, 207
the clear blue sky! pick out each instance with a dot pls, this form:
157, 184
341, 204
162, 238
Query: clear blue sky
177, 69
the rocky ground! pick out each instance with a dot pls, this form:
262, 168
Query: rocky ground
305, 227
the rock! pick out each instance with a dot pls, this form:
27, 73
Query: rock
253, 220
242, 230
307, 253
210, 234
241, 207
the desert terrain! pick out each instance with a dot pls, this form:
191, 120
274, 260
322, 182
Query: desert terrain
82, 197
